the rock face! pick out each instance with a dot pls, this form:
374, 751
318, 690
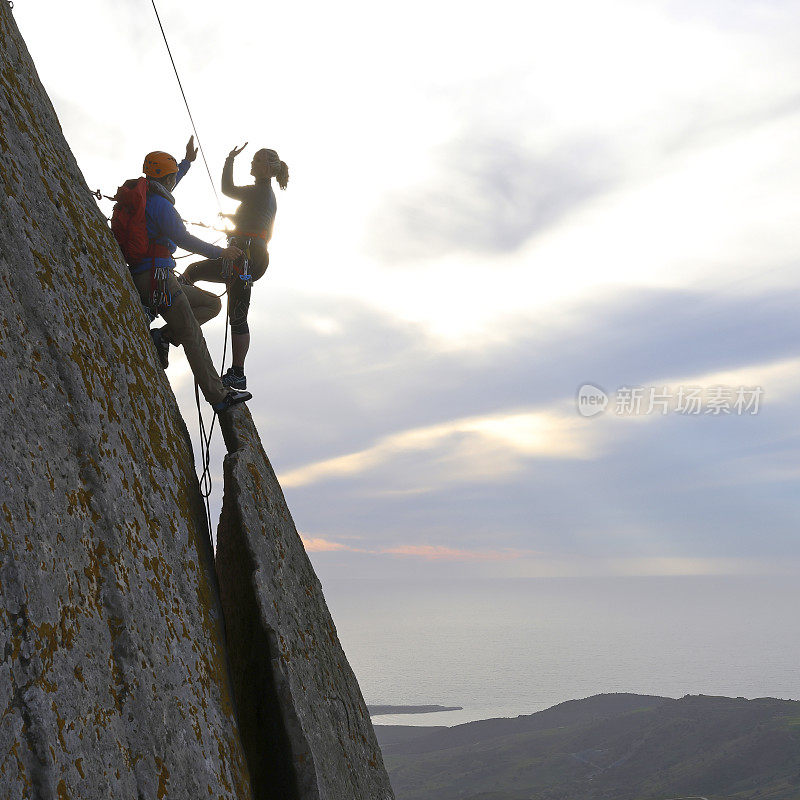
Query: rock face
291, 676
115, 680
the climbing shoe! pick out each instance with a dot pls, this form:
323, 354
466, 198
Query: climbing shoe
234, 381
162, 346
231, 399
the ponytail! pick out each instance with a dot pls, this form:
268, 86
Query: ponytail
282, 175
277, 168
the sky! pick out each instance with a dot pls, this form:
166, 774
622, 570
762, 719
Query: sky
490, 207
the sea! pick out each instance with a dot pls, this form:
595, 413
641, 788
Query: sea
506, 647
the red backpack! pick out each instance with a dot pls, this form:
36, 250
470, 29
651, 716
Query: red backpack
128, 222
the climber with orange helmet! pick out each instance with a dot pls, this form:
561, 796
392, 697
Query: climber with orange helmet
183, 307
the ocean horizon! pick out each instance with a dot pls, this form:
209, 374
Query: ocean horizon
509, 647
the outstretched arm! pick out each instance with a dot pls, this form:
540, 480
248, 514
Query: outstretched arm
228, 188
191, 155
183, 168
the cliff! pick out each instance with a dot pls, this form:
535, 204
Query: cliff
116, 679
287, 662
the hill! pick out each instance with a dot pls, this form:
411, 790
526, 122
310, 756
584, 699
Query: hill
625, 747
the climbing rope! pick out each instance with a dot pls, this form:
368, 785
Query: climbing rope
205, 480
186, 103
230, 272
98, 195
205, 439
205, 457
206, 484
208, 227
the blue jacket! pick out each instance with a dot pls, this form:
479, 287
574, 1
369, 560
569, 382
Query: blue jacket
165, 226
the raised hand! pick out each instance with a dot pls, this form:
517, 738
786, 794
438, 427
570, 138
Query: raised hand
191, 150
236, 150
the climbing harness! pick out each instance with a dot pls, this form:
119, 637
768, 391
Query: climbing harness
256, 235
239, 268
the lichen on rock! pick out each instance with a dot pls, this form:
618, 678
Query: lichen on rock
114, 678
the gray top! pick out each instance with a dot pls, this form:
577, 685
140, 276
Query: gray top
258, 205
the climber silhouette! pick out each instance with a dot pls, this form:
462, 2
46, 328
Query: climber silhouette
184, 308
253, 223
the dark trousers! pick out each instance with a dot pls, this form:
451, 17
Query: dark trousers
190, 308
238, 290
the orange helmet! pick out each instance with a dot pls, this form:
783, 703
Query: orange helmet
158, 164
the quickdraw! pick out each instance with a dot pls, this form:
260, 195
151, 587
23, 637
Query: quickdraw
161, 295
245, 273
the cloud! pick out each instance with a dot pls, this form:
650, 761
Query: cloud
442, 553
529, 153
323, 397
386, 432
428, 552
317, 544
401, 434
470, 449
491, 195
